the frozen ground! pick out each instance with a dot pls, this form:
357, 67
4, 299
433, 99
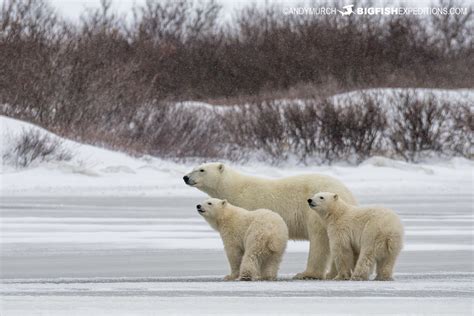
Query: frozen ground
155, 255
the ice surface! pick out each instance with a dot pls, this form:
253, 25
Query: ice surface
229, 305
156, 256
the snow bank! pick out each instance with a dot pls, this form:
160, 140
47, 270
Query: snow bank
390, 96
92, 170
383, 96
96, 171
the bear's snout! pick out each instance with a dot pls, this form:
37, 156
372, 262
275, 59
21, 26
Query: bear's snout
199, 208
186, 179
309, 201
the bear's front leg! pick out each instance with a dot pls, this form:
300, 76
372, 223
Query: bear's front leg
365, 265
319, 252
234, 256
332, 274
249, 270
343, 257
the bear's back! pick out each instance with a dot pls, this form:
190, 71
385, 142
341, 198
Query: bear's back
379, 216
310, 184
267, 219
267, 227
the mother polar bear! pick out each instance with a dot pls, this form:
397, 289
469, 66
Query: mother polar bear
286, 196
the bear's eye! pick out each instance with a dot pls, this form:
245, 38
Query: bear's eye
209, 203
202, 170
321, 198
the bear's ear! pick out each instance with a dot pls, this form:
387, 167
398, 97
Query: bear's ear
224, 202
220, 167
336, 197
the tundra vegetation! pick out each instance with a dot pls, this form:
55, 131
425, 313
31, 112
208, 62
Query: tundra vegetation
115, 81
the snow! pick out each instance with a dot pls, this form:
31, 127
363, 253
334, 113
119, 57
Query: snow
385, 97
389, 96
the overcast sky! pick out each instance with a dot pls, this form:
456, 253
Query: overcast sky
73, 8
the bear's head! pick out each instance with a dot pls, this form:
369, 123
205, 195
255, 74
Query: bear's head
322, 202
211, 209
205, 176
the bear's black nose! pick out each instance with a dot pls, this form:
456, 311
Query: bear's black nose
186, 179
198, 206
309, 201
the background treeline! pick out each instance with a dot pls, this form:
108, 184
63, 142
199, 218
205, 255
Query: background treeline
109, 79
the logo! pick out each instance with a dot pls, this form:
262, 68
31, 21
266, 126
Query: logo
348, 10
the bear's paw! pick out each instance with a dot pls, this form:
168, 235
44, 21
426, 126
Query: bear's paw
308, 276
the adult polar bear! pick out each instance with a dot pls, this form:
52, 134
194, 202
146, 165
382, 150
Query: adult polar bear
286, 196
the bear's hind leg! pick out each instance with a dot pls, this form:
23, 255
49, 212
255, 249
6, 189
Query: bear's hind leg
388, 253
384, 271
385, 267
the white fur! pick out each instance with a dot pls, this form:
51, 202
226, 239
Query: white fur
360, 237
285, 196
253, 241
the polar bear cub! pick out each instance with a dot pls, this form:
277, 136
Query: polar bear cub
254, 241
360, 236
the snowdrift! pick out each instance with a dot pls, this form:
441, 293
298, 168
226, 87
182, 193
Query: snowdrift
383, 96
97, 171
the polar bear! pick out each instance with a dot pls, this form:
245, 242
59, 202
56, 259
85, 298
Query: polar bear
285, 196
369, 235
254, 242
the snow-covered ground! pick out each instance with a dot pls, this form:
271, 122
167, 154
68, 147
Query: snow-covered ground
106, 233
97, 172
386, 97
